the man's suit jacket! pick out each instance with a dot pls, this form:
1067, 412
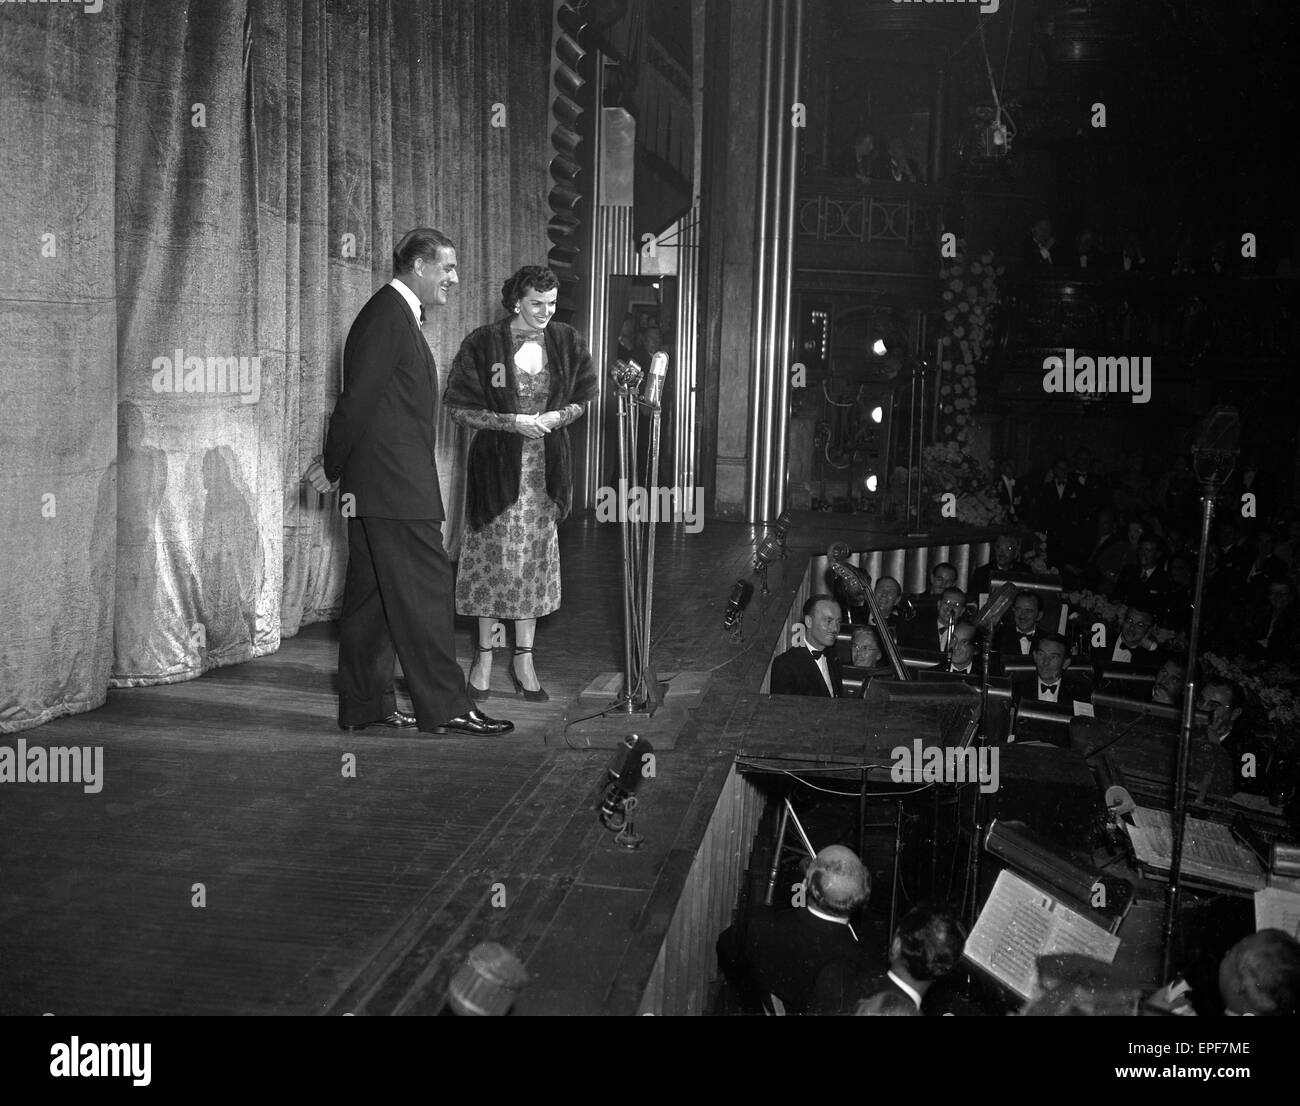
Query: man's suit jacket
1240, 740
1006, 641
795, 672
842, 984
785, 950
1142, 659
1012, 499
1074, 686
1151, 594
381, 437
921, 633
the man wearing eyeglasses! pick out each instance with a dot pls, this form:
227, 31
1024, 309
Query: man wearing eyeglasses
1229, 729
1129, 646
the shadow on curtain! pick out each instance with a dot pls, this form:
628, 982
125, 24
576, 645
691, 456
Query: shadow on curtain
233, 191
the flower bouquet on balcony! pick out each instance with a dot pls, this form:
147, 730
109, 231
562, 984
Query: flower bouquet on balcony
970, 298
948, 470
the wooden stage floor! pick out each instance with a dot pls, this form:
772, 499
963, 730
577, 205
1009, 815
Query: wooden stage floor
334, 895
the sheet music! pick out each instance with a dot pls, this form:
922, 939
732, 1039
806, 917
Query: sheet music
1276, 908
1021, 922
1209, 849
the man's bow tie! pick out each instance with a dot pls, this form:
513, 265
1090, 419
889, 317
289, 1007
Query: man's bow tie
1042, 687
817, 654
1026, 637
422, 314
1122, 647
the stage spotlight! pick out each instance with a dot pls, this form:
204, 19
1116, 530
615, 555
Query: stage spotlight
488, 983
741, 593
877, 413
621, 779
879, 348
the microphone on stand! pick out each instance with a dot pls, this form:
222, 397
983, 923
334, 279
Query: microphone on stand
627, 376
653, 394
741, 593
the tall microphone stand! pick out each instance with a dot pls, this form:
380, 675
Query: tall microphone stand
641, 691
1218, 468
986, 621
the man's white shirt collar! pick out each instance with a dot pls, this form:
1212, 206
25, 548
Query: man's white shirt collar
412, 300
830, 918
907, 988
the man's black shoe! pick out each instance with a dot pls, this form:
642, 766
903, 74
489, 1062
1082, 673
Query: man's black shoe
397, 720
477, 724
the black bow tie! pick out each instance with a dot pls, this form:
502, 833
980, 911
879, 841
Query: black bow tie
817, 654
1026, 637
1042, 687
1122, 647
422, 314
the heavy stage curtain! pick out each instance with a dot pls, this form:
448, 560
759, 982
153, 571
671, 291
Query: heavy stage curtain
199, 198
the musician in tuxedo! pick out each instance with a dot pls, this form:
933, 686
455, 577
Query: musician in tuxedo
1245, 753
1017, 637
397, 595
781, 952
1006, 559
1128, 645
1051, 682
926, 947
888, 592
932, 633
1145, 584
965, 658
811, 667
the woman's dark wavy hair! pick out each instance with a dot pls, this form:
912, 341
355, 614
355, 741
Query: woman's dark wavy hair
536, 277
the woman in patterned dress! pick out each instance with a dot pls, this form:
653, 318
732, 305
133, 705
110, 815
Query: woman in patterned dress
517, 384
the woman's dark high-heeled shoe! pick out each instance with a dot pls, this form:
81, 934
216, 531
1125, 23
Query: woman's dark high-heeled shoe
478, 694
538, 696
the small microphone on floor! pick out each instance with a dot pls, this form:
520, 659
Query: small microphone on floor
742, 591
488, 983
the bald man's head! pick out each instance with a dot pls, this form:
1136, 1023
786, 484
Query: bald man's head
838, 882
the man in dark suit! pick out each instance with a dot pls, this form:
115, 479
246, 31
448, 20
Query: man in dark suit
1228, 728
1145, 584
1058, 504
1036, 249
397, 596
1006, 490
965, 658
931, 634
780, 952
927, 947
810, 666
1049, 682
1129, 645
1006, 559
1018, 637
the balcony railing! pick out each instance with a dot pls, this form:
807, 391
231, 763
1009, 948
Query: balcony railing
879, 227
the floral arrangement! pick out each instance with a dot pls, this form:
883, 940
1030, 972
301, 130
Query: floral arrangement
947, 468
1114, 613
1271, 689
970, 296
